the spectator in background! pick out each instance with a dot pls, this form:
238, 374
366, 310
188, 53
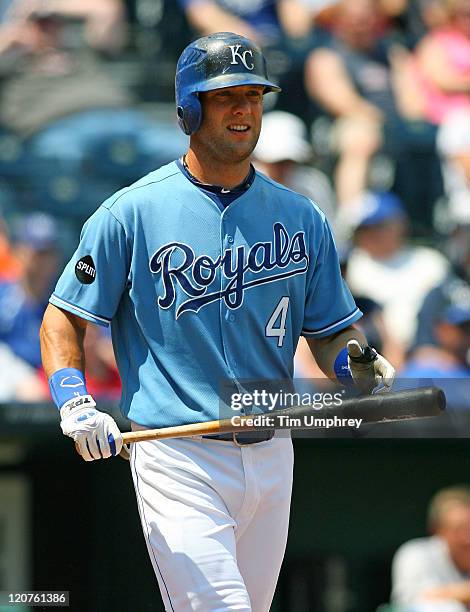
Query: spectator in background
43, 80
104, 20
442, 65
449, 353
265, 21
433, 574
441, 347
439, 165
453, 144
60, 97
283, 153
456, 281
359, 83
78, 127
23, 301
384, 267
30, 268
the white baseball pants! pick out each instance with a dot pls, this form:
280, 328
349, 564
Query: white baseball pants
215, 519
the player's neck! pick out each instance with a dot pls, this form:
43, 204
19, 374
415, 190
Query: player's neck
216, 172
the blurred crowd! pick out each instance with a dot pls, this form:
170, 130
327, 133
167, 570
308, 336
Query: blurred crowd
373, 124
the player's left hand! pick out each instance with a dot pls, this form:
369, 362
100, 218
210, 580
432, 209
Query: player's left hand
369, 370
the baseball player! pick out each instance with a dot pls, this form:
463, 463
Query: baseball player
206, 271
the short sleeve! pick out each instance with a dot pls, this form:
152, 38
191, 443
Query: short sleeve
329, 306
93, 281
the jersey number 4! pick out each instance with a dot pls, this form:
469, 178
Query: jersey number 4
276, 325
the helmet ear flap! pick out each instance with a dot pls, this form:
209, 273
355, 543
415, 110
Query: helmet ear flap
189, 114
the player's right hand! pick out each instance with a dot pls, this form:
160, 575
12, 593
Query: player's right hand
95, 433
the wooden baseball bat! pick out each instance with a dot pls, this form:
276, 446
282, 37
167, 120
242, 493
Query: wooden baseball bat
381, 407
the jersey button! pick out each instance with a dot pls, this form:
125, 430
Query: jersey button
231, 318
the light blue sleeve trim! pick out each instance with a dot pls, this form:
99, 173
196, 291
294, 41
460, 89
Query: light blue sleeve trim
80, 312
334, 327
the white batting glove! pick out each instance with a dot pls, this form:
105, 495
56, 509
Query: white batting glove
369, 370
95, 433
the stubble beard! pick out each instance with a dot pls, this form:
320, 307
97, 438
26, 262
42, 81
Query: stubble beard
220, 149
234, 154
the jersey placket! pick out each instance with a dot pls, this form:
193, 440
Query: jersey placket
228, 316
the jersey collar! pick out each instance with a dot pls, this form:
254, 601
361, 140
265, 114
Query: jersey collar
218, 189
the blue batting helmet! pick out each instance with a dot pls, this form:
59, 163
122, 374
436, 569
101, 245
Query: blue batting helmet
212, 62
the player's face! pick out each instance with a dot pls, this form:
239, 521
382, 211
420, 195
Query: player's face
231, 122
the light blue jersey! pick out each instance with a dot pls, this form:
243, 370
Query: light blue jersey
196, 295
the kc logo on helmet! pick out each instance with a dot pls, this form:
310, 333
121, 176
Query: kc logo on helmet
237, 56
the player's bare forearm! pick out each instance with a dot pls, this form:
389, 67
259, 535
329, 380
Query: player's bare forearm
325, 350
61, 336
95, 433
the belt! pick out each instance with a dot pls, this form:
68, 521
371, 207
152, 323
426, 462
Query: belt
243, 439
